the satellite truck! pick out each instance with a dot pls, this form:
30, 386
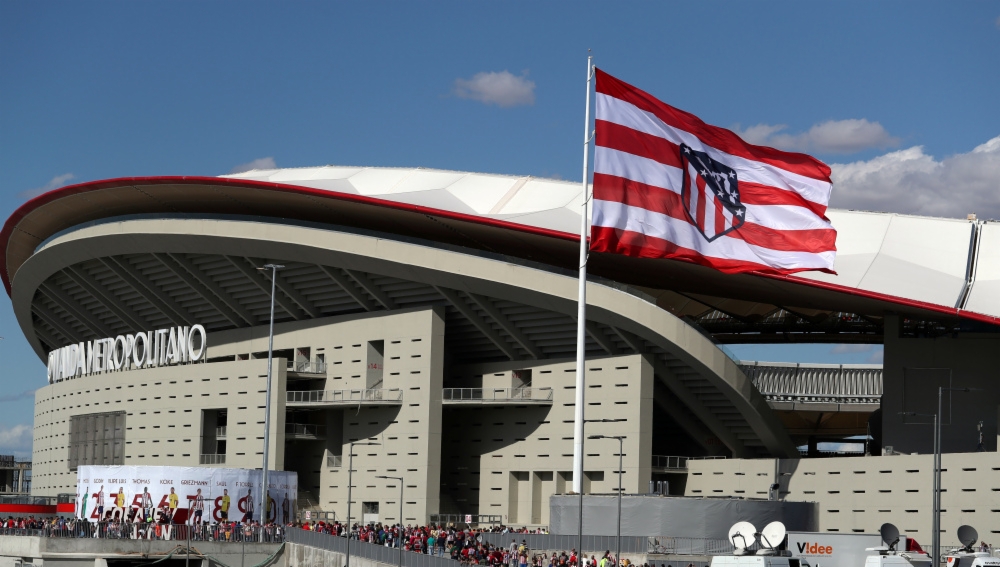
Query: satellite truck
966, 556
889, 556
744, 536
774, 547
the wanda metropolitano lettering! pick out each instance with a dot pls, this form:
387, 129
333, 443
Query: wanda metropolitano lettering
162, 347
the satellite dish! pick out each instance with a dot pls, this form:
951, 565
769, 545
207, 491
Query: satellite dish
968, 536
742, 535
890, 535
773, 535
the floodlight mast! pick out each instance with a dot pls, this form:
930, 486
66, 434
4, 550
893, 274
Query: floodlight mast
267, 400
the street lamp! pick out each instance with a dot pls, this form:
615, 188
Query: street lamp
934, 476
936, 524
579, 552
267, 399
621, 451
350, 472
399, 541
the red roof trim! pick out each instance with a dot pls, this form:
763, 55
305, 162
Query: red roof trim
51, 196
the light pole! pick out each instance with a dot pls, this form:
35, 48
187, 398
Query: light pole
267, 400
350, 472
621, 451
399, 541
936, 524
934, 476
579, 552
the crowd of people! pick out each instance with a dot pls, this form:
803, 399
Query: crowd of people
153, 527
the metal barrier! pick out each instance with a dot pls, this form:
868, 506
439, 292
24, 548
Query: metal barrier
149, 531
370, 551
844, 383
334, 461
307, 430
688, 546
677, 462
307, 367
551, 542
212, 459
488, 395
393, 395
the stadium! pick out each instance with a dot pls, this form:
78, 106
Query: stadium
430, 315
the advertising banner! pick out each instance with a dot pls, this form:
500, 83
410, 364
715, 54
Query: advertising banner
186, 495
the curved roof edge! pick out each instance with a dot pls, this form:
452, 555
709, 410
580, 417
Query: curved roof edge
43, 216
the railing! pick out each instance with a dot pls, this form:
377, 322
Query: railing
344, 396
843, 383
369, 551
334, 461
220, 432
480, 395
689, 546
307, 367
212, 459
305, 430
551, 542
223, 533
677, 462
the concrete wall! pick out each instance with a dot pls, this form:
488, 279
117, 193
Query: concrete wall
913, 370
163, 416
859, 494
508, 460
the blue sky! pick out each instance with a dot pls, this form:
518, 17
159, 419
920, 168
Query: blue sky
902, 94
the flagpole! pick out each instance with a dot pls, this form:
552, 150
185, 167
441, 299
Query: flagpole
581, 314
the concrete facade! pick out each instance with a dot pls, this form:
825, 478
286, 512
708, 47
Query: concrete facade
859, 494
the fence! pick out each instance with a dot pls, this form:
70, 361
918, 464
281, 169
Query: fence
307, 430
366, 550
212, 459
466, 519
344, 396
222, 533
307, 366
480, 395
551, 542
676, 462
689, 546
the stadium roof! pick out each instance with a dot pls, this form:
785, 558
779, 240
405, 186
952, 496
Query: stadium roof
941, 271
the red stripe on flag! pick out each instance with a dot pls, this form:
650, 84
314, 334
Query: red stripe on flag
625, 139
719, 138
663, 201
604, 239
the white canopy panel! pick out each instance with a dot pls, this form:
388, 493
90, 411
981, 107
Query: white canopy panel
920, 259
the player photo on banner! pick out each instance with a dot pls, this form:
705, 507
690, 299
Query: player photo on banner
184, 495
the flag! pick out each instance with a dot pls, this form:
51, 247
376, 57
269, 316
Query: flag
667, 185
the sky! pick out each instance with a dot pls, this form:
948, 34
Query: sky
901, 98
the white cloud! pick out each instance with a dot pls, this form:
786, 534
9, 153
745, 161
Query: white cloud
259, 163
833, 136
54, 183
16, 439
877, 357
500, 88
910, 181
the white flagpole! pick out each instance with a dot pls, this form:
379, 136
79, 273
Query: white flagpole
581, 314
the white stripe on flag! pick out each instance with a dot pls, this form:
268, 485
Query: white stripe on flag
644, 170
612, 214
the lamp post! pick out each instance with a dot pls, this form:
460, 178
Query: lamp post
399, 541
579, 552
934, 476
621, 451
350, 472
936, 524
267, 399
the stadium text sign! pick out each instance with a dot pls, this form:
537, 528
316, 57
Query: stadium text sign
162, 347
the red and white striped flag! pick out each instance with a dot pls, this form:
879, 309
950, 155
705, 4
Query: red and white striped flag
667, 185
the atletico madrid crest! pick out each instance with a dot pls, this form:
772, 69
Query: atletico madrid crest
711, 194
